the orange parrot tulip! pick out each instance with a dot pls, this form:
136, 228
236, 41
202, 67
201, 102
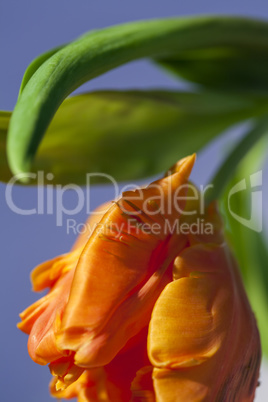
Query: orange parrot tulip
141, 311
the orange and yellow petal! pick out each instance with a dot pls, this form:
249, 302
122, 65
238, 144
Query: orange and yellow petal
122, 276
202, 328
121, 267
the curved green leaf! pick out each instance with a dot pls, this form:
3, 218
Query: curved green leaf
97, 52
134, 134
250, 247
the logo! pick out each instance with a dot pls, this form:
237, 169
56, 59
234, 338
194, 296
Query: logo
255, 220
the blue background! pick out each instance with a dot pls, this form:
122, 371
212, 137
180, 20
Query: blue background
28, 28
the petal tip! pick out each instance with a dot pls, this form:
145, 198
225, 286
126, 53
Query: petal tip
184, 166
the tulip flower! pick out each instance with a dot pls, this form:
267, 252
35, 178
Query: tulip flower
140, 310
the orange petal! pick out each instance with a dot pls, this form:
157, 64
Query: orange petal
203, 319
87, 388
110, 383
121, 267
33, 312
181, 386
66, 371
45, 314
46, 274
47, 319
92, 385
91, 224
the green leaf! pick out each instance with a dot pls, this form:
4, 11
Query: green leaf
239, 151
134, 134
95, 53
223, 66
5, 173
35, 64
250, 247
